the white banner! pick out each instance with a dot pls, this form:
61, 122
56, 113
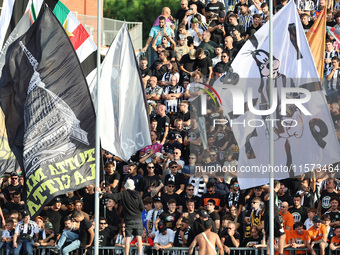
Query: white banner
302, 142
124, 123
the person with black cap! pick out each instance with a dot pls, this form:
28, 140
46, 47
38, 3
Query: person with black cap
164, 238
55, 214
198, 226
184, 235
153, 215
207, 241
216, 28
132, 212
317, 236
25, 231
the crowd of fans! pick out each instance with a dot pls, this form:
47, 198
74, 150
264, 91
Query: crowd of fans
180, 198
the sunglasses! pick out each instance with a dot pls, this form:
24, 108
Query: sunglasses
171, 186
224, 56
190, 189
102, 223
176, 153
151, 167
14, 178
227, 228
174, 167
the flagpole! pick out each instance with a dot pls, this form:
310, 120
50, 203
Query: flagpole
271, 134
98, 151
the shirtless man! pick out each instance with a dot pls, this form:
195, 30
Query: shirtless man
205, 247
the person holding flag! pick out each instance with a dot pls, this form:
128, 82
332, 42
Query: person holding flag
132, 208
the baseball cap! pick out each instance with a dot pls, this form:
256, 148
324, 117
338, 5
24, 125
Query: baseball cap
24, 213
204, 214
170, 183
161, 227
48, 225
194, 20
159, 155
14, 174
69, 201
56, 200
185, 220
316, 219
157, 199
171, 136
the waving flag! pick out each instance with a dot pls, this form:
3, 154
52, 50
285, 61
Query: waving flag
86, 49
50, 119
125, 124
304, 136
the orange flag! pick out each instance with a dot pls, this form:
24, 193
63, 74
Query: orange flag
316, 37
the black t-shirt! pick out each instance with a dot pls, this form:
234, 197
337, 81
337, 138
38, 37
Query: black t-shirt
252, 30
183, 116
335, 216
10, 206
88, 200
217, 34
109, 179
214, 7
214, 216
180, 134
231, 53
84, 235
165, 197
161, 71
285, 198
158, 169
170, 219
203, 65
300, 215
228, 242
325, 200
179, 179
162, 122
187, 64
180, 14
145, 72
253, 240
112, 218
10, 189
148, 181
231, 28
56, 219
238, 44
105, 237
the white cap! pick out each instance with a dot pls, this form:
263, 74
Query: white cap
130, 184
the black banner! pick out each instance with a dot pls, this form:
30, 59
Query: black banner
50, 119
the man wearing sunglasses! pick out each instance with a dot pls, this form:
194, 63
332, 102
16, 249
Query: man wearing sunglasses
177, 178
14, 186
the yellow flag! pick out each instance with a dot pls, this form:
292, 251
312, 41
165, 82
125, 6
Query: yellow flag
316, 37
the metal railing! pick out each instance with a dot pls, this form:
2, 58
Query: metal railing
181, 251
110, 28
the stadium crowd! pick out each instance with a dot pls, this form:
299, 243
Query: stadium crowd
180, 197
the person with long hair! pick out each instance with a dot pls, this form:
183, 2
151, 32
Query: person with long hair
173, 71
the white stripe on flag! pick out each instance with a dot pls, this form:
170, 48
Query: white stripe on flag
86, 49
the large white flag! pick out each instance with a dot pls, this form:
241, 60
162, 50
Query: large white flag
124, 124
304, 135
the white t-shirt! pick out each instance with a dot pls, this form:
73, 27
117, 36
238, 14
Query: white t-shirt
164, 239
308, 223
